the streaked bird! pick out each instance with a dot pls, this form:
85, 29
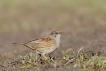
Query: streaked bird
44, 45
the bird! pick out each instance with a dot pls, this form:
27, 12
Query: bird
45, 45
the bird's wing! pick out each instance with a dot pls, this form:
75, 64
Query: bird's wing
40, 43
43, 40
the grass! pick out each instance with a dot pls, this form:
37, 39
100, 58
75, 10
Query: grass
79, 59
66, 57
28, 60
87, 62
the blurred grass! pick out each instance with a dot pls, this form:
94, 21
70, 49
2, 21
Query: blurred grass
34, 14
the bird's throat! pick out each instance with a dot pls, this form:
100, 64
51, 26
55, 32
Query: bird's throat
57, 39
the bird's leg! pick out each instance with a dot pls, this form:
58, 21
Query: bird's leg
44, 57
36, 56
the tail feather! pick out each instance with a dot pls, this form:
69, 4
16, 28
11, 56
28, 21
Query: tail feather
25, 45
19, 43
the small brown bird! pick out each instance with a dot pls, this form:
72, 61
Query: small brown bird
44, 45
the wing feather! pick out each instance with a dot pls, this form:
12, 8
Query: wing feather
41, 43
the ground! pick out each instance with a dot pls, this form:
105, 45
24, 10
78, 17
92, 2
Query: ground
84, 35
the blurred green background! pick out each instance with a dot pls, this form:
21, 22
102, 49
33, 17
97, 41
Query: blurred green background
83, 23
25, 15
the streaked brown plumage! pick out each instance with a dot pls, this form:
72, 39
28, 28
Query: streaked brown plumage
45, 45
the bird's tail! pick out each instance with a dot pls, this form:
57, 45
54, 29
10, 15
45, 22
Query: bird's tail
25, 44
19, 43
